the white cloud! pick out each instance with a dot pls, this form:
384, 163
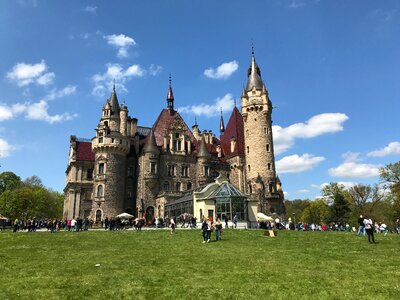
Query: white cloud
24, 74
104, 82
303, 191
225, 103
317, 125
296, 4
347, 184
297, 164
223, 71
155, 70
353, 168
5, 148
39, 110
91, 9
392, 148
121, 42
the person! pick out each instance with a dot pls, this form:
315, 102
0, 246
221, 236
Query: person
204, 230
235, 220
172, 223
398, 226
361, 226
218, 230
209, 229
226, 222
383, 228
369, 227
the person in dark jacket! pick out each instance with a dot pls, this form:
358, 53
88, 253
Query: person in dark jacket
361, 225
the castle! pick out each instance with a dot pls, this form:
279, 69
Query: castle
139, 170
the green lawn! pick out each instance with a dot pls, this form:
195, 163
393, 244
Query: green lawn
158, 265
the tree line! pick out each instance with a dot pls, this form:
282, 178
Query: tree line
28, 199
339, 205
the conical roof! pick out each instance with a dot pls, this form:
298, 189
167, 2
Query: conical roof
114, 102
151, 146
221, 124
203, 152
254, 75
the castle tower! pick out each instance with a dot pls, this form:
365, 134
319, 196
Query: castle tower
259, 149
110, 146
202, 165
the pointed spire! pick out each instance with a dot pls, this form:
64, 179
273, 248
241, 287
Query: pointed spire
203, 152
170, 96
221, 123
114, 102
254, 74
151, 145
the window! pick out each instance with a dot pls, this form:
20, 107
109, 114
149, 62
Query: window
250, 189
248, 167
153, 168
171, 170
112, 140
267, 147
101, 168
269, 166
178, 186
206, 171
166, 186
270, 187
185, 171
89, 174
130, 171
248, 149
189, 186
100, 140
100, 191
106, 122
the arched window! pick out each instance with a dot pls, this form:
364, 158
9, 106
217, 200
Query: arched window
98, 215
100, 191
267, 147
269, 166
178, 186
250, 189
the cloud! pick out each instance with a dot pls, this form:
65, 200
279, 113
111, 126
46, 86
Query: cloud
39, 110
5, 148
103, 82
297, 164
24, 74
347, 184
91, 9
392, 148
225, 103
223, 71
121, 42
352, 168
303, 191
317, 125
296, 4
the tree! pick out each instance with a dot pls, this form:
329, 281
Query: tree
9, 181
317, 212
33, 181
339, 208
391, 174
31, 202
295, 208
361, 194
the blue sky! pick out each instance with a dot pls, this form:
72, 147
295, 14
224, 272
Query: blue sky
331, 68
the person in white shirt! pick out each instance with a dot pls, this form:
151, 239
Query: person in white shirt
369, 228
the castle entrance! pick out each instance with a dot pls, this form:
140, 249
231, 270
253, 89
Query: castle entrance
149, 215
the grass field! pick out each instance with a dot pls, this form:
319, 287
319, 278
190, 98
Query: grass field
157, 265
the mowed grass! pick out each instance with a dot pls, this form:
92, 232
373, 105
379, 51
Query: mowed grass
153, 264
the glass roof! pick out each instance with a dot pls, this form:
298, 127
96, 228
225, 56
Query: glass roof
226, 190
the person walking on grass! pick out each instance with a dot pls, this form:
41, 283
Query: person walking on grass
361, 226
204, 230
218, 230
369, 227
172, 224
209, 229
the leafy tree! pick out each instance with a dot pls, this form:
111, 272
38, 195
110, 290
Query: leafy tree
31, 202
9, 181
317, 212
339, 208
33, 181
391, 174
295, 208
361, 195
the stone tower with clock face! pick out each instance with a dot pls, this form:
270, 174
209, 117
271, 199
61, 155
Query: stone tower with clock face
262, 182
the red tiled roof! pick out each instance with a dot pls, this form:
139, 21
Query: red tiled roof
234, 129
84, 151
163, 123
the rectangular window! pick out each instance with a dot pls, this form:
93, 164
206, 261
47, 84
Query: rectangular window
130, 171
153, 168
100, 140
89, 174
171, 170
206, 171
101, 168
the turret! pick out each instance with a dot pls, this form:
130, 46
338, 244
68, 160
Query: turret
203, 167
170, 96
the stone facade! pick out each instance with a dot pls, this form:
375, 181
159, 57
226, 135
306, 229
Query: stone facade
129, 168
